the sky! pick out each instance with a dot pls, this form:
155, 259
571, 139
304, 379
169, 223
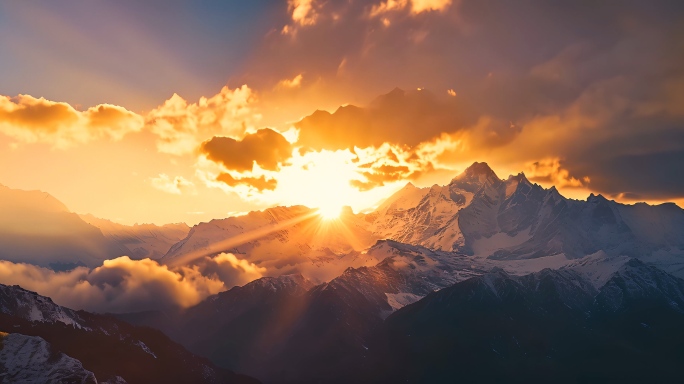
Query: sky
170, 111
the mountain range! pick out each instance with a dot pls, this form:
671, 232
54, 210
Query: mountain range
513, 224
552, 325
36, 228
481, 280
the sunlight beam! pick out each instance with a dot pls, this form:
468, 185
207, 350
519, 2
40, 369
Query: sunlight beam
224, 245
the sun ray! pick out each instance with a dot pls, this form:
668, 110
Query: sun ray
240, 239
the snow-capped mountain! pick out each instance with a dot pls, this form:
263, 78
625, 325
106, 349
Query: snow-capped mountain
285, 240
141, 240
285, 329
479, 270
480, 215
636, 284
30, 306
513, 224
30, 359
551, 326
86, 344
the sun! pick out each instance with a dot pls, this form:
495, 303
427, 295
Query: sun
330, 211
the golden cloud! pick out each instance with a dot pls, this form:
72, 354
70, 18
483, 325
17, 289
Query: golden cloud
295, 82
303, 11
259, 183
182, 126
550, 171
399, 117
125, 285
415, 6
174, 186
418, 6
387, 164
31, 120
266, 148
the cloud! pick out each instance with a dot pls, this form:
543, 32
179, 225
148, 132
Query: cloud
598, 96
125, 285
605, 98
266, 148
182, 126
246, 166
36, 120
174, 186
418, 6
258, 183
387, 164
637, 176
399, 117
415, 6
550, 171
295, 82
228, 268
381, 175
303, 11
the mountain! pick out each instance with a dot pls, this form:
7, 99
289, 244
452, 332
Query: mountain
240, 329
30, 359
480, 215
277, 328
635, 285
509, 223
405, 198
548, 326
36, 228
480, 326
283, 239
480, 280
141, 240
87, 344
436, 237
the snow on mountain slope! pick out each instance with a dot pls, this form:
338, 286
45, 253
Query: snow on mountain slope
142, 240
105, 345
418, 225
636, 283
447, 217
415, 271
512, 223
30, 359
480, 215
31, 306
597, 268
550, 326
403, 199
284, 240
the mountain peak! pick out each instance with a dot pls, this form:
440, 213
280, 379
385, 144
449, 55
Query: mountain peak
478, 169
281, 282
520, 177
596, 198
475, 176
